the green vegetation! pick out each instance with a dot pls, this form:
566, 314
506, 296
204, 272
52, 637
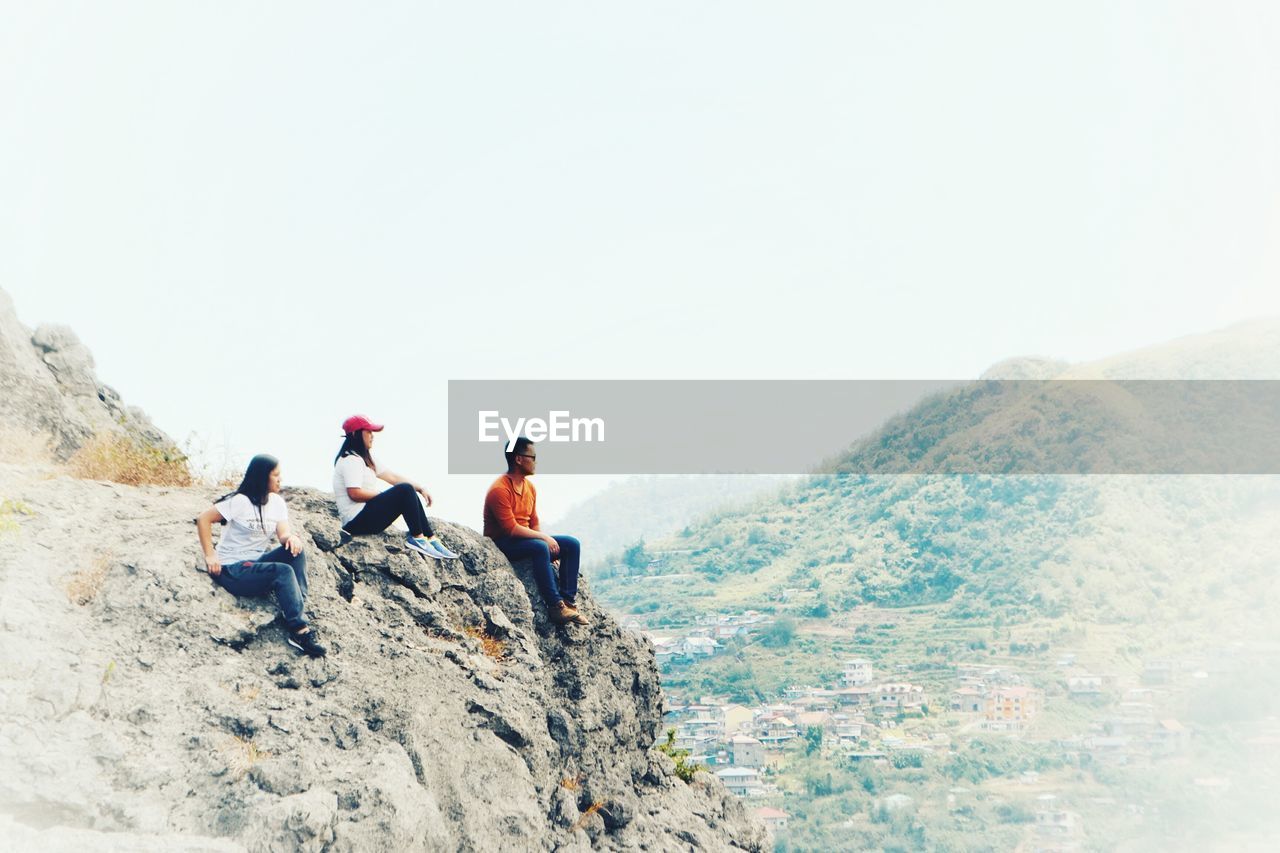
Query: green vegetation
684, 767
994, 757
10, 509
780, 633
990, 549
1044, 576
13, 506
921, 574
635, 557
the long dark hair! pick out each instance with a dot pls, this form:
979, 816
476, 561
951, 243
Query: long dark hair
256, 485
353, 445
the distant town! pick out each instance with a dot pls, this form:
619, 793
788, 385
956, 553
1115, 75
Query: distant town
883, 719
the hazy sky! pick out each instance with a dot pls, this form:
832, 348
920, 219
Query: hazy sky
263, 217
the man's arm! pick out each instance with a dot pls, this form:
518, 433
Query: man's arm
536, 526
523, 532
499, 505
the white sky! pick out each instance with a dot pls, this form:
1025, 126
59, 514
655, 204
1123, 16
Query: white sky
263, 217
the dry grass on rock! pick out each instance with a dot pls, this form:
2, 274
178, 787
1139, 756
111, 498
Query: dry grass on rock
581, 822
84, 584
121, 459
241, 755
493, 648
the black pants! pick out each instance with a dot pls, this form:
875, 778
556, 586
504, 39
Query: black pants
396, 501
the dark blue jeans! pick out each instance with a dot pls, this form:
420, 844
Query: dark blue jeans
553, 588
377, 514
276, 570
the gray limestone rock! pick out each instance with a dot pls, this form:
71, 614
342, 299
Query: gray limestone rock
142, 707
164, 705
48, 387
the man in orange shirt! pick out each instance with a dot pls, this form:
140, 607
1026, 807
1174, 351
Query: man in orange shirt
511, 521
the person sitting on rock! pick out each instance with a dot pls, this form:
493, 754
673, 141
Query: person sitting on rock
241, 563
511, 521
371, 498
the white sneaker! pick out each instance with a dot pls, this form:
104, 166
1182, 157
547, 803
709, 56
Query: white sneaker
421, 546
441, 551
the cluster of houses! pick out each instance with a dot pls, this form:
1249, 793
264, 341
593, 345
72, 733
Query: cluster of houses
860, 719
1129, 732
735, 741
1132, 730
1125, 732
997, 696
707, 637
1056, 828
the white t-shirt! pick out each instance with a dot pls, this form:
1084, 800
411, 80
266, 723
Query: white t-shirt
352, 473
248, 535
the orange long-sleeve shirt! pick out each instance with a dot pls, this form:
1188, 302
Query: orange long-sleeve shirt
504, 507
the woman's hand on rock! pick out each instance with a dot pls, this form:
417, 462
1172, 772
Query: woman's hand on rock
212, 564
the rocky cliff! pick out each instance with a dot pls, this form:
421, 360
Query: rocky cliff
142, 707
48, 388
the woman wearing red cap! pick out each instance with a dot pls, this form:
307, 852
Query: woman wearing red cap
371, 498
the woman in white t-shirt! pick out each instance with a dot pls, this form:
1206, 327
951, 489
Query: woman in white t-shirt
241, 563
371, 498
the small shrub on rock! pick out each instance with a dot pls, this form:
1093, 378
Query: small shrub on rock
684, 767
9, 511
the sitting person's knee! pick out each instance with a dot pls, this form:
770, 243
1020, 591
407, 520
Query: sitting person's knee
403, 488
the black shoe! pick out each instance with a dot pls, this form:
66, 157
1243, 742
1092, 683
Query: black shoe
306, 643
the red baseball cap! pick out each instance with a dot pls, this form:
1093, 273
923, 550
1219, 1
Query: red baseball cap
359, 422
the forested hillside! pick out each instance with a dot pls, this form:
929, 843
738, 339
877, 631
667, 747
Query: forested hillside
1135, 614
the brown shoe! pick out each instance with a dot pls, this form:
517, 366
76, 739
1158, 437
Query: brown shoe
560, 613
576, 617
